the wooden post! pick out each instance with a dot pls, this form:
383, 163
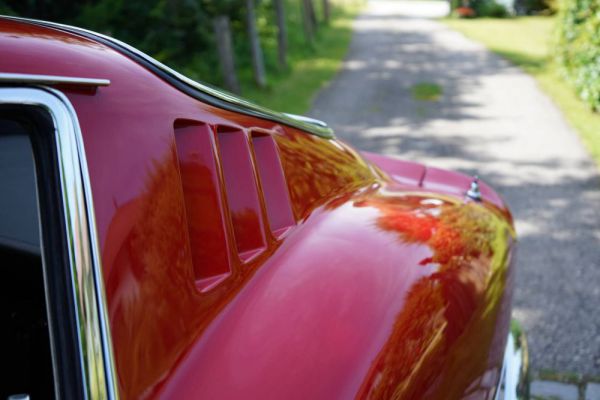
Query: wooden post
307, 22
258, 63
281, 34
225, 49
326, 11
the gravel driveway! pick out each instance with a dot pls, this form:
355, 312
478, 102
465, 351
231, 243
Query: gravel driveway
491, 119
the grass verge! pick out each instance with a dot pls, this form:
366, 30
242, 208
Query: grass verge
527, 43
310, 69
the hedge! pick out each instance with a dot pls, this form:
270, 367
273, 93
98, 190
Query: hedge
578, 49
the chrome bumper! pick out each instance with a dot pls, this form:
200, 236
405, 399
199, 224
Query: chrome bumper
514, 381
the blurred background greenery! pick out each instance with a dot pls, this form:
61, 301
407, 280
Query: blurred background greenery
299, 44
556, 41
181, 34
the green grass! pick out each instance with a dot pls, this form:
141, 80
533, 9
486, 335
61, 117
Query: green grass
310, 68
426, 91
527, 42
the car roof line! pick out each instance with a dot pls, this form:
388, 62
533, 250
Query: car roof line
215, 97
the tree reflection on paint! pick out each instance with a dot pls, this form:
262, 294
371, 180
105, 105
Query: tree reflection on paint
247, 226
204, 218
440, 341
155, 310
317, 171
152, 259
441, 338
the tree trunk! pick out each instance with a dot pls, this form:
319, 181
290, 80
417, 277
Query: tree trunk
326, 11
258, 63
225, 49
281, 34
313, 14
307, 22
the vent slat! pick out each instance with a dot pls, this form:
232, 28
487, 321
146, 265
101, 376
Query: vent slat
203, 202
242, 192
275, 191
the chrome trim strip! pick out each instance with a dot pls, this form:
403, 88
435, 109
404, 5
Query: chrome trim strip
84, 255
51, 80
514, 381
208, 94
308, 120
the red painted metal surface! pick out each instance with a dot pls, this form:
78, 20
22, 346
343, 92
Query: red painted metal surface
273, 184
200, 178
386, 283
242, 192
403, 172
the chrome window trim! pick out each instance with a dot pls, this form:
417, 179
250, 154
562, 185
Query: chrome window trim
216, 97
84, 256
51, 80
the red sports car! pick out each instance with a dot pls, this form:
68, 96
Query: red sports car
162, 239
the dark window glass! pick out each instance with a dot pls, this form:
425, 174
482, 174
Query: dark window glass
26, 355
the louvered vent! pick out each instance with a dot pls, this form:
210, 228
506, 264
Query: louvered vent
220, 173
242, 192
203, 202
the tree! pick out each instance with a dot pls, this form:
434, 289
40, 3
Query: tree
221, 12
225, 49
258, 64
312, 14
307, 21
326, 11
281, 34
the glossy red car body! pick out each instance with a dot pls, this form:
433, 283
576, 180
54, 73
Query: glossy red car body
243, 258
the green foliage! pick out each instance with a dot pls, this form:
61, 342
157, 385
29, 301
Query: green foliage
535, 7
489, 8
578, 48
53, 10
426, 91
180, 33
494, 10
6, 10
311, 67
221, 7
482, 8
170, 30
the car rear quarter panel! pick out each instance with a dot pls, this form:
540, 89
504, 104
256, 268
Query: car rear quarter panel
378, 289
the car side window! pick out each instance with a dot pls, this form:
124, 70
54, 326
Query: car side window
26, 347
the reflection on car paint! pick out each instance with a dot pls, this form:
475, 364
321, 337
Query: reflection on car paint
382, 287
441, 338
